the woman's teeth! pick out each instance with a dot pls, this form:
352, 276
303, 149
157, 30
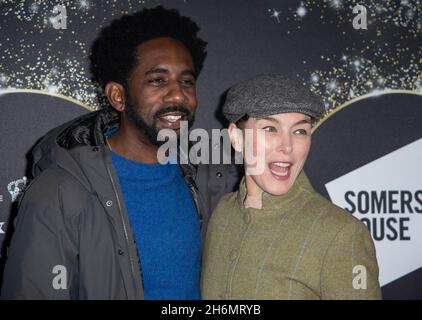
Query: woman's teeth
280, 169
282, 164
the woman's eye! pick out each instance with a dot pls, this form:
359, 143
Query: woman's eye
269, 129
301, 132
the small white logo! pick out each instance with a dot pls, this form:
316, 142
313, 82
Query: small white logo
60, 281
360, 21
16, 187
1, 227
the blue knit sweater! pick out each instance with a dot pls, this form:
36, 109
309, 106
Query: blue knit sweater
165, 225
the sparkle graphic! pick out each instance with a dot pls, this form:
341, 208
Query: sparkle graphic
34, 55
386, 57
336, 4
275, 14
3, 79
397, 14
314, 78
34, 7
361, 76
301, 11
84, 4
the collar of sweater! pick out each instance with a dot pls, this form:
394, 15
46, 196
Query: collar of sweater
269, 201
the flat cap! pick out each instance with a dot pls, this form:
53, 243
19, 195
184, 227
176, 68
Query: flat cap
269, 94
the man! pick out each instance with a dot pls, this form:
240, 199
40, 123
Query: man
101, 206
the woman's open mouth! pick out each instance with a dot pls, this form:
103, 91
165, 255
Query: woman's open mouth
280, 170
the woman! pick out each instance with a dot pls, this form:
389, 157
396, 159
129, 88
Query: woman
276, 238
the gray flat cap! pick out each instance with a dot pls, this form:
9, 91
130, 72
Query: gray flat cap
270, 94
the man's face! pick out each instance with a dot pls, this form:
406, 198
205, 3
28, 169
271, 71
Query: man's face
161, 90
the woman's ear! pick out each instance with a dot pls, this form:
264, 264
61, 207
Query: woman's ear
116, 95
236, 137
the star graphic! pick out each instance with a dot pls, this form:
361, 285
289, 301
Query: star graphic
276, 15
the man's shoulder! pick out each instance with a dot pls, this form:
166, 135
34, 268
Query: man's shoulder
54, 186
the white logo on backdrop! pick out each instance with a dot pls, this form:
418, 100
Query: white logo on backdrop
386, 194
16, 187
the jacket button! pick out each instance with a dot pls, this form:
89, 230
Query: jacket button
120, 252
109, 203
219, 174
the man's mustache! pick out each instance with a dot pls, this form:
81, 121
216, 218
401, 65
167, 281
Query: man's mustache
170, 109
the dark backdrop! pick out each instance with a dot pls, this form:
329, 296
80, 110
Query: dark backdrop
44, 81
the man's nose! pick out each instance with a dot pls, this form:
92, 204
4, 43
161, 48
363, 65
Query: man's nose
175, 93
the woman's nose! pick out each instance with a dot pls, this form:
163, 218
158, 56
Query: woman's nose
284, 143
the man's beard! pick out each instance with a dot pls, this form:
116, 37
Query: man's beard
150, 131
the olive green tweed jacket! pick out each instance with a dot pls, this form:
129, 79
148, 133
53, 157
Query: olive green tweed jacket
298, 246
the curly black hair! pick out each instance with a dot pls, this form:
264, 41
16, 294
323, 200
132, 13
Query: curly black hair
113, 54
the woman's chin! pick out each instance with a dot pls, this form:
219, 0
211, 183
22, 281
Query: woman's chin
278, 188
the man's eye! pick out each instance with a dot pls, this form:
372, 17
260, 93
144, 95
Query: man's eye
188, 83
269, 129
157, 81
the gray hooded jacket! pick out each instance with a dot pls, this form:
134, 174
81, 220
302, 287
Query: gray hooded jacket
72, 237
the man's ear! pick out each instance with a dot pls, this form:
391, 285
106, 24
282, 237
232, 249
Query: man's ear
116, 95
236, 137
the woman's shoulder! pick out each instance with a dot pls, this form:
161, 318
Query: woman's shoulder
316, 204
330, 215
229, 200
228, 203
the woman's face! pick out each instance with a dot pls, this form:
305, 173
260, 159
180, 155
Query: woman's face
280, 146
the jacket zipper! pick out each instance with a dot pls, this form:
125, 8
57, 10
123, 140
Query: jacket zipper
195, 199
123, 223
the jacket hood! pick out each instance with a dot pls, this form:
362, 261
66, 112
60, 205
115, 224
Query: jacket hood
74, 146
69, 145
